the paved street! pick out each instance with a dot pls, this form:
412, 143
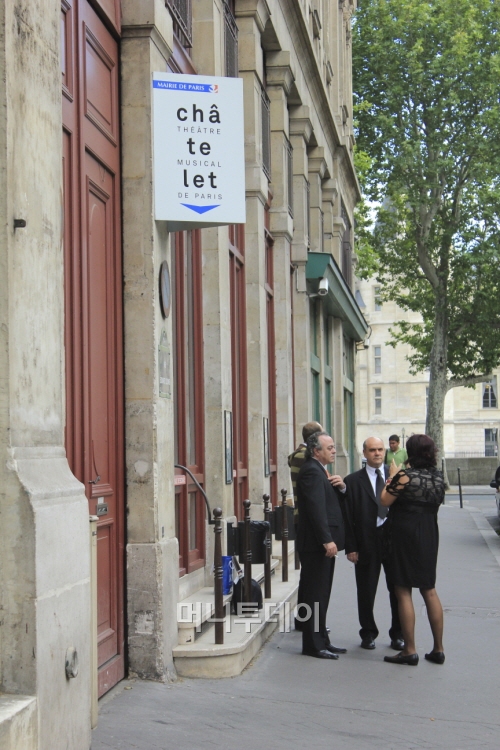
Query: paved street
285, 700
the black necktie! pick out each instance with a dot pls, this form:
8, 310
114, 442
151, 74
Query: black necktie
379, 486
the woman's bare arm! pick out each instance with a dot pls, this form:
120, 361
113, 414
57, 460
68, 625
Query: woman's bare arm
387, 498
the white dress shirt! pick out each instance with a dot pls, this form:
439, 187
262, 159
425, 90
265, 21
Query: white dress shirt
372, 473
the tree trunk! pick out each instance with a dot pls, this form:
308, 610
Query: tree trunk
438, 383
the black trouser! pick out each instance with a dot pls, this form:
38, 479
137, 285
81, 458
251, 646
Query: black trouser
367, 577
316, 576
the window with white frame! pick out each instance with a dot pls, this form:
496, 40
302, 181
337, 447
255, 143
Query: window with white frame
490, 400
378, 400
377, 355
377, 299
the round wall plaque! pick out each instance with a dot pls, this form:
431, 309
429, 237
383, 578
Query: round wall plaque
165, 295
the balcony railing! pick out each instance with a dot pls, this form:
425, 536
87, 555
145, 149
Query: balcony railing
346, 248
180, 10
230, 42
289, 159
266, 132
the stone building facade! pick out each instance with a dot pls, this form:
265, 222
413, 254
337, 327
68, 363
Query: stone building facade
260, 336
391, 400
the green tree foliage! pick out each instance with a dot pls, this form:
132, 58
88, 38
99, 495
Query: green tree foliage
427, 91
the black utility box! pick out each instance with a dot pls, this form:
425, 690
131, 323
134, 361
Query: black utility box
258, 535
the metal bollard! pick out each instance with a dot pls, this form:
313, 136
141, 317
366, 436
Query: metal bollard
267, 564
284, 541
94, 711
297, 558
460, 488
442, 471
247, 593
219, 601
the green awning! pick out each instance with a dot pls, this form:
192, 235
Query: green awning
339, 301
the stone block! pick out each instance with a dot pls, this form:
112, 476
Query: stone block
18, 722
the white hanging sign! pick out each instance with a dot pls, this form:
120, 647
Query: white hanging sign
199, 158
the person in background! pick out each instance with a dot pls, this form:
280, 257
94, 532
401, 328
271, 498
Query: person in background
414, 495
295, 462
297, 458
495, 483
395, 453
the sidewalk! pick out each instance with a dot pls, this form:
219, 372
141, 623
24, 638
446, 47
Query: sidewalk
471, 489
285, 700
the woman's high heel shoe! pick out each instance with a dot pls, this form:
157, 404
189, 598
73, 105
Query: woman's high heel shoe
410, 659
435, 656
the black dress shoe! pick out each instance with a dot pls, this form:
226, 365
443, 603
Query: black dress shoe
335, 649
397, 644
368, 643
324, 654
435, 656
410, 659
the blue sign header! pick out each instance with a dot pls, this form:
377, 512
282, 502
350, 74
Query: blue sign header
202, 88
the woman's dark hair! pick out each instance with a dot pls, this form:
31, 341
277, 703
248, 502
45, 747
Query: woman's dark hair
421, 451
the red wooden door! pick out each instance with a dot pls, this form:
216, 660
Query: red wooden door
93, 308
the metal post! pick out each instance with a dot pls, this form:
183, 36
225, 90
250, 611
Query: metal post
247, 594
267, 564
218, 595
460, 488
94, 711
442, 471
284, 538
296, 525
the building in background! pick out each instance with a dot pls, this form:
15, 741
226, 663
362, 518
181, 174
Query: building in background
105, 386
391, 400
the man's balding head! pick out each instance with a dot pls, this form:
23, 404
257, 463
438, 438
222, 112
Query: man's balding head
373, 451
309, 429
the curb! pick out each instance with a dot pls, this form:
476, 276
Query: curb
489, 535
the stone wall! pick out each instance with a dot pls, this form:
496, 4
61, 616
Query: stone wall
44, 528
472, 470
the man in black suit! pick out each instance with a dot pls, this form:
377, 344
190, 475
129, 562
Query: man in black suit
320, 535
365, 541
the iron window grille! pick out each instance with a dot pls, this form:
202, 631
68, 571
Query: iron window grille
266, 132
308, 213
181, 13
230, 41
289, 160
346, 247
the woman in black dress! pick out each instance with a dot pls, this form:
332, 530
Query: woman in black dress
415, 495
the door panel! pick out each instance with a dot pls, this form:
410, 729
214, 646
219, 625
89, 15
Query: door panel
93, 285
100, 81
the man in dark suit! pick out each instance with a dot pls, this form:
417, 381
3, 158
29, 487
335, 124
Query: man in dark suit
365, 541
320, 535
